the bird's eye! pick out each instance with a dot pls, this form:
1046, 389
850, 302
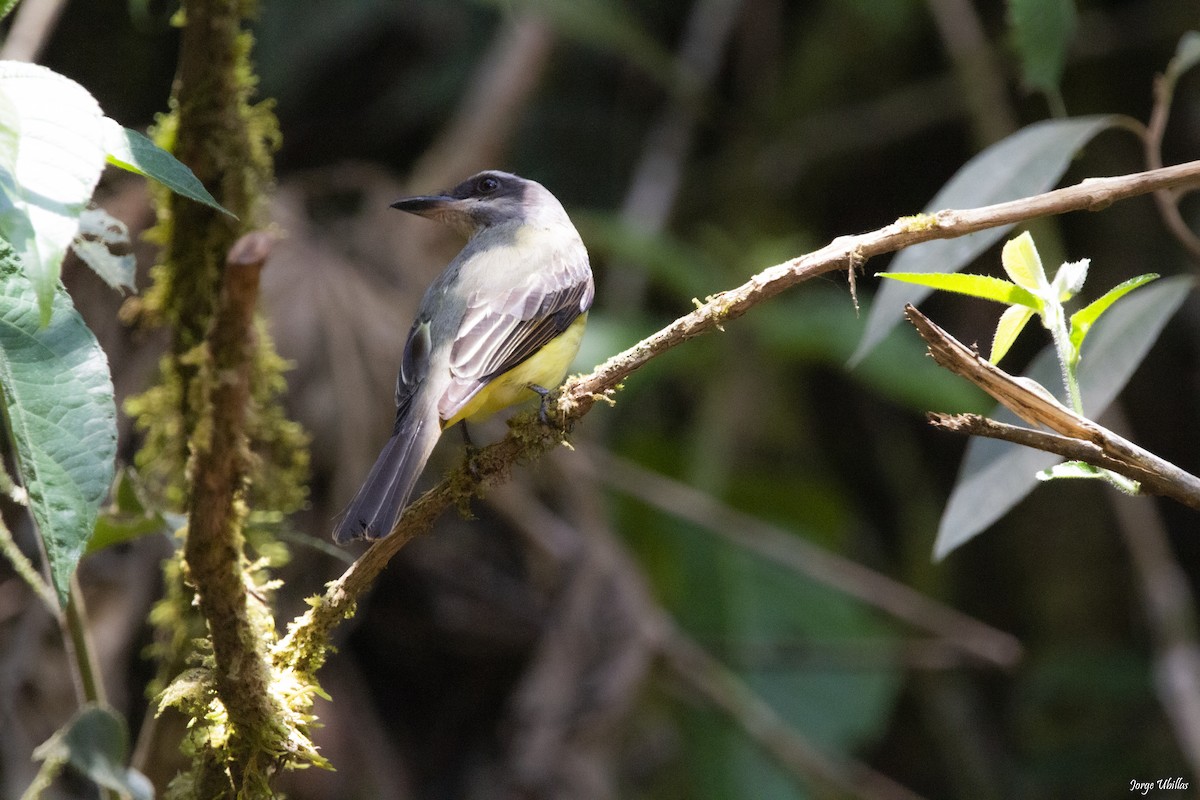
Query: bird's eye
487, 185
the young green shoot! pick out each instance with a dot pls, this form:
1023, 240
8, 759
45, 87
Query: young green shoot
1028, 292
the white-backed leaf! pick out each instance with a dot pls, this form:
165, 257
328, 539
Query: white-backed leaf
51, 156
1027, 163
996, 475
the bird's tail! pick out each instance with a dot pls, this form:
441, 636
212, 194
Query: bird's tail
375, 509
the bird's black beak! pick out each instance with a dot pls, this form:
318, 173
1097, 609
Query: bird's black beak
426, 205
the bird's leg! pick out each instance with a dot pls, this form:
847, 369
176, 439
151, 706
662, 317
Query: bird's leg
471, 449
466, 435
544, 393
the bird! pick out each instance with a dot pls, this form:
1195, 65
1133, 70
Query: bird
500, 325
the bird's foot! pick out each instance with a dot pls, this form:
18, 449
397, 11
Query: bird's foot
543, 406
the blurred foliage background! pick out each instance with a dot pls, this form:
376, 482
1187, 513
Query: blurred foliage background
650, 615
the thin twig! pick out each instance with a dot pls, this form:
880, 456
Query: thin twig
1084, 439
1152, 139
27, 571
79, 643
1065, 446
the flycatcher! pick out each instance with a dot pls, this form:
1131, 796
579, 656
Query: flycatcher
501, 324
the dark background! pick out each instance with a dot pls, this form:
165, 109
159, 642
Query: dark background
541, 649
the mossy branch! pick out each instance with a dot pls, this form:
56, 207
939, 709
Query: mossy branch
304, 647
214, 548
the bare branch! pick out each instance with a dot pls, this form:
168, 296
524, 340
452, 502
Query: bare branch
1079, 438
1152, 138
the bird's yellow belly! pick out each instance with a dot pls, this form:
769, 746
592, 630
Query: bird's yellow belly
546, 368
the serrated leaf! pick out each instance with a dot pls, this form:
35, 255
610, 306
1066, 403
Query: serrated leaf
132, 151
1042, 31
1083, 319
96, 743
103, 244
985, 287
1187, 55
51, 157
1011, 323
58, 399
1022, 263
1027, 163
996, 475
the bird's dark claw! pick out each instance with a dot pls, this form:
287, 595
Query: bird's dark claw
544, 393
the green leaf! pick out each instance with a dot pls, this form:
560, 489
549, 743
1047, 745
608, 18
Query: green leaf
96, 742
1083, 319
103, 244
1081, 470
113, 529
996, 475
984, 287
132, 151
1011, 323
1042, 31
1022, 263
1187, 55
127, 518
6, 6
51, 156
1070, 470
1026, 163
58, 400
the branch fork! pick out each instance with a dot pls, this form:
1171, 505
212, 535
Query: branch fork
1069, 434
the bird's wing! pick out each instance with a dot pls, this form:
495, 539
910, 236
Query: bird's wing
500, 330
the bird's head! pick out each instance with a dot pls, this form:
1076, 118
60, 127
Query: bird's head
487, 200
